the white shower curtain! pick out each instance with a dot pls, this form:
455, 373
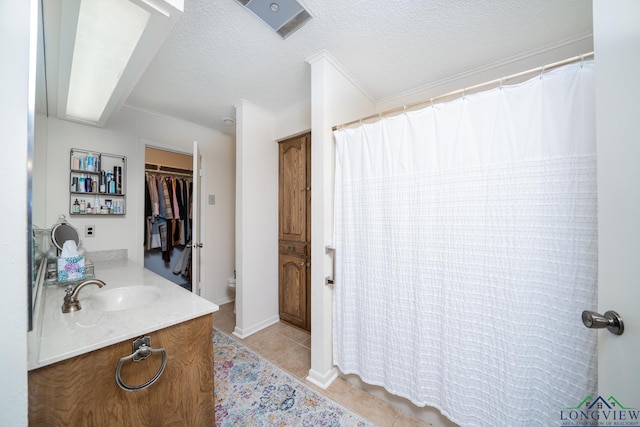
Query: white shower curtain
466, 250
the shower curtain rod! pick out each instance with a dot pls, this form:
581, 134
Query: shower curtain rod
470, 89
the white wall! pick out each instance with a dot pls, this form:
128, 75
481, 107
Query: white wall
334, 99
125, 135
292, 122
111, 232
14, 50
617, 43
256, 220
524, 61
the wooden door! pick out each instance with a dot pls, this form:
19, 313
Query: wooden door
295, 231
196, 238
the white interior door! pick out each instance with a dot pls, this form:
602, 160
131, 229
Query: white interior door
196, 239
617, 43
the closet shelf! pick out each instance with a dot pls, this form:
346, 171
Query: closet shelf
167, 170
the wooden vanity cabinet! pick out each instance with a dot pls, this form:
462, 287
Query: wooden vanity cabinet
82, 391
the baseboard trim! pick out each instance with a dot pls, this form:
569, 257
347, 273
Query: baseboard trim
222, 301
322, 380
243, 333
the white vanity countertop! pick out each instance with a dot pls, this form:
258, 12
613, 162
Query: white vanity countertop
58, 336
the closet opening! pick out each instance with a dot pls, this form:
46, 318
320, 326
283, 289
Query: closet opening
167, 215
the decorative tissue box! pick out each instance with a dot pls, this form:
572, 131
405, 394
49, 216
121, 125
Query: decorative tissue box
71, 268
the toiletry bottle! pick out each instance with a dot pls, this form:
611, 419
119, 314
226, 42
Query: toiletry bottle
81, 185
76, 207
83, 206
87, 184
96, 205
89, 210
117, 177
103, 182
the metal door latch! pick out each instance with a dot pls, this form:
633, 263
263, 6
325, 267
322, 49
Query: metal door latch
611, 320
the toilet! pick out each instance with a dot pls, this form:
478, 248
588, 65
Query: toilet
231, 284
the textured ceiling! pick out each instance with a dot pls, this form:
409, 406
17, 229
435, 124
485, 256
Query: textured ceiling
219, 53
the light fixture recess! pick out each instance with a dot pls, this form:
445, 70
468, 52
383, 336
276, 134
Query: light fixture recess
104, 49
228, 121
283, 16
106, 36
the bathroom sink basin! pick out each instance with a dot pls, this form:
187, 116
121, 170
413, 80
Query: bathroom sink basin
119, 299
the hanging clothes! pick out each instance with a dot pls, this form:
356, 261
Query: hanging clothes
154, 231
180, 202
166, 200
176, 210
153, 189
167, 212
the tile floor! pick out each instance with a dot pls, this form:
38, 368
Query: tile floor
290, 349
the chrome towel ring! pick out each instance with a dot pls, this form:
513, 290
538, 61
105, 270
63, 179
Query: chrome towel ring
141, 350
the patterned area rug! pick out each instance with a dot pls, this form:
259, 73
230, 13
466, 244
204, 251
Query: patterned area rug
251, 391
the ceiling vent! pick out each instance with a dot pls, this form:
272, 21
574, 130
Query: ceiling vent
283, 16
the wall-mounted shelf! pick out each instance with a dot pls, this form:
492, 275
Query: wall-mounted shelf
97, 184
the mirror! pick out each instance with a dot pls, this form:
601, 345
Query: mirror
36, 165
63, 231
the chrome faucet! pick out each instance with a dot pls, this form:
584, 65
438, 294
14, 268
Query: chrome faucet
71, 302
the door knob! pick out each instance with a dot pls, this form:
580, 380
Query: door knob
611, 320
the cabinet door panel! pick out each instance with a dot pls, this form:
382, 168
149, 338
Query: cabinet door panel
294, 189
293, 290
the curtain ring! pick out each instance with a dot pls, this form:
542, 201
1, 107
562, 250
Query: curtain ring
500, 84
542, 72
582, 61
